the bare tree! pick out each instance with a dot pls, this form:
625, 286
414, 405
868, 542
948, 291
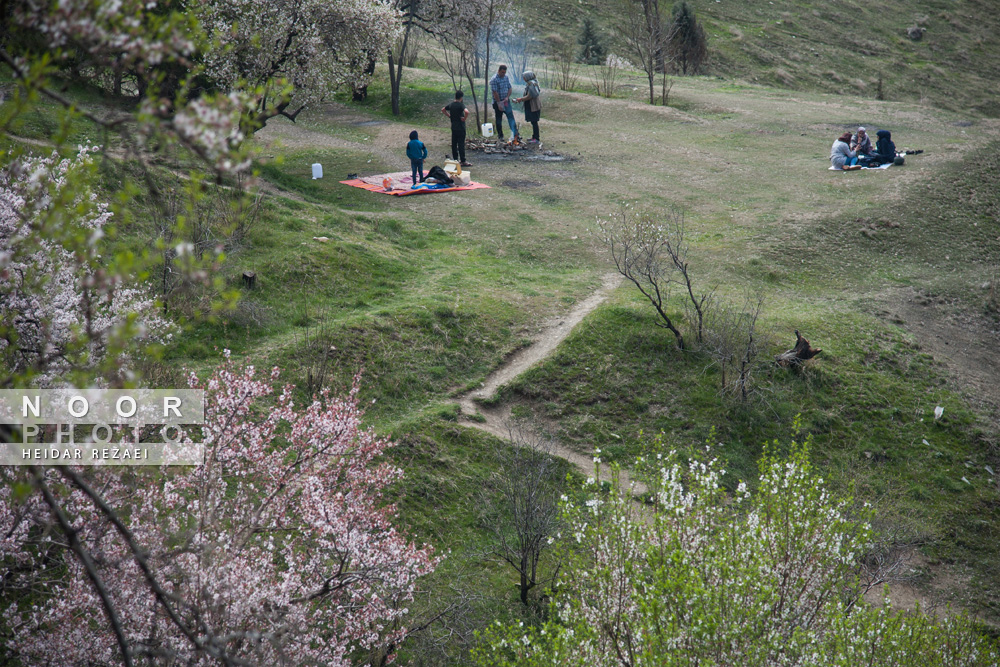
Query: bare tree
606, 80
564, 53
732, 341
418, 16
459, 40
490, 11
450, 61
515, 42
521, 505
644, 30
653, 255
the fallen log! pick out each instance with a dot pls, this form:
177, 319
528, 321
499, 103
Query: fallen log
799, 354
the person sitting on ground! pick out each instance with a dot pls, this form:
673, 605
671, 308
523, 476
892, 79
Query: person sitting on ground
841, 154
861, 143
417, 152
885, 150
458, 113
532, 103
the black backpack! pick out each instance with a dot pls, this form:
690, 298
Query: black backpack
440, 175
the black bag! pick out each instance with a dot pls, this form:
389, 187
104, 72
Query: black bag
440, 175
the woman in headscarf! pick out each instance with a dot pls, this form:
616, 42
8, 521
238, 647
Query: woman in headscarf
532, 103
841, 154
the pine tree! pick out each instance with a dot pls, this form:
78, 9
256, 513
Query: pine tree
687, 44
592, 51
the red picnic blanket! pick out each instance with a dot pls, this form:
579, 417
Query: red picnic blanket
399, 184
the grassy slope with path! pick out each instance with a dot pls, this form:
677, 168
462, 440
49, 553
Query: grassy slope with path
430, 293
748, 163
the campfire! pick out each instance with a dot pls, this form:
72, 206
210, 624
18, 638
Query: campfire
496, 146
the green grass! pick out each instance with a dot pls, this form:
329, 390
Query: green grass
426, 295
843, 48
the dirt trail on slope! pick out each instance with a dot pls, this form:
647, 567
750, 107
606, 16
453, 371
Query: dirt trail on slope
499, 420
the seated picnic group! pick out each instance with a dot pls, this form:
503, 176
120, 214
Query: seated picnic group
458, 113
854, 151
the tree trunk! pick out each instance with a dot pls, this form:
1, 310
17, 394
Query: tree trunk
472, 85
799, 354
396, 73
360, 93
486, 70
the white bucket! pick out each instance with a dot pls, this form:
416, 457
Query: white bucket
317, 171
487, 129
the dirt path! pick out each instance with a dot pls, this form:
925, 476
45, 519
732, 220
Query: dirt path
499, 419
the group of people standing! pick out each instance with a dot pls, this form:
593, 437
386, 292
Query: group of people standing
850, 150
500, 88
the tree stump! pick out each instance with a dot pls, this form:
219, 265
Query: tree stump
249, 279
799, 354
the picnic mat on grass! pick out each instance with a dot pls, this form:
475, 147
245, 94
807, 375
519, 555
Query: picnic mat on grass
400, 183
884, 166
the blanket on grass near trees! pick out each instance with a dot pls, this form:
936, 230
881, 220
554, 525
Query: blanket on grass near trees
400, 183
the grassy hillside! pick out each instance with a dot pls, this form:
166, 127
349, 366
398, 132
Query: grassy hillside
842, 47
427, 295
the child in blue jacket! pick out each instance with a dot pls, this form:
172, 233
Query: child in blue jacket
417, 152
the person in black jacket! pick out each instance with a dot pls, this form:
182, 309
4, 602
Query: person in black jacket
885, 150
457, 112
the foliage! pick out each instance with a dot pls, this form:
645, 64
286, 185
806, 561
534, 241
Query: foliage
58, 318
74, 308
278, 550
592, 49
757, 578
313, 46
687, 44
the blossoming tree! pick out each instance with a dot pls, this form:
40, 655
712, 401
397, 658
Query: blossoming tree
313, 46
279, 550
58, 318
700, 577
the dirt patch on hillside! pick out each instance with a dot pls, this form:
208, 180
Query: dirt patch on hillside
964, 342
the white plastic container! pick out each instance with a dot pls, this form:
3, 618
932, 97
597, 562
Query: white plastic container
452, 167
317, 171
487, 129
464, 178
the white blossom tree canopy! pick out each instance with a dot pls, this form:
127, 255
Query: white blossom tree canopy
58, 310
294, 53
